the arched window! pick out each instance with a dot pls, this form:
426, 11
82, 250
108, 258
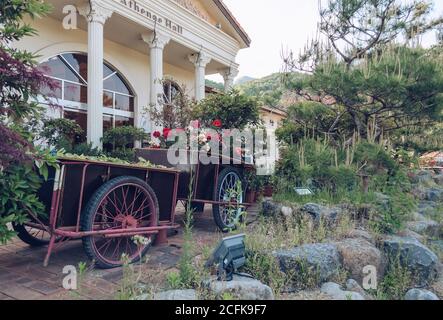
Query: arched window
172, 93
70, 71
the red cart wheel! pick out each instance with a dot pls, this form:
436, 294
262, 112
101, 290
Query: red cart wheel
226, 216
122, 203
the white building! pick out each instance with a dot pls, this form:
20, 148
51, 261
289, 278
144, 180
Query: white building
114, 58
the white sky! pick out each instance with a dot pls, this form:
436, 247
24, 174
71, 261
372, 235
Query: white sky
274, 25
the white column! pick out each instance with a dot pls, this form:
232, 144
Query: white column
96, 16
200, 60
157, 43
229, 76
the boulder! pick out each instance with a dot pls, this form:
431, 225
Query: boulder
352, 285
438, 179
319, 212
433, 194
361, 234
176, 295
411, 234
241, 288
425, 227
420, 294
427, 208
357, 254
287, 212
336, 293
417, 258
422, 177
323, 258
271, 208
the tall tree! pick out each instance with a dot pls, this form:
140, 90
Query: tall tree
366, 65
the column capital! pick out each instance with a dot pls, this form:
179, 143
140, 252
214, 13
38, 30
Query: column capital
156, 40
93, 11
229, 73
200, 59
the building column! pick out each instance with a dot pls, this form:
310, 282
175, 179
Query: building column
96, 15
157, 43
200, 60
229, 76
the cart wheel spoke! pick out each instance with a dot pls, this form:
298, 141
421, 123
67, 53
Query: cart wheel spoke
122, 209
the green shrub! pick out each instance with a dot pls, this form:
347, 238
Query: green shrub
119, 142
314, 163
235, 110
62, 133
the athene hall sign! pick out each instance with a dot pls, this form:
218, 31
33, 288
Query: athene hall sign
141, 10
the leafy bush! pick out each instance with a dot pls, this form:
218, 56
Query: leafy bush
62, 133
119, 142
235, 110
314, 163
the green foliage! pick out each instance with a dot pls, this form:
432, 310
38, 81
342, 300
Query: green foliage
19, 185
216, 85
396, 282
235, 110
20, 83
314, 163
61, 133
119, 142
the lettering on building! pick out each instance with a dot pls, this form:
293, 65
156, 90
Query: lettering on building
140, 9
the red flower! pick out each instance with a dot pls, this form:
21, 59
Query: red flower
166, 132
157, 134
217, 123
208, 137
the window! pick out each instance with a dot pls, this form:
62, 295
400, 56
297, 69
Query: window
172, 93
70, 70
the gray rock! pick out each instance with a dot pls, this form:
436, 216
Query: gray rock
417, 258
241, 287
438, 179
286, 211
270, 208
423, 177
357, 254
434, 194
336, 293
382, 200
411, 234
319, 212
321, 257
361, 234
176, 295
427, 208
352, 285
425, 227
420, 294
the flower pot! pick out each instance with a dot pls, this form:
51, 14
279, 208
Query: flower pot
268, 191
251, 196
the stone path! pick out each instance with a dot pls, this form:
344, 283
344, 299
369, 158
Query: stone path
22, 275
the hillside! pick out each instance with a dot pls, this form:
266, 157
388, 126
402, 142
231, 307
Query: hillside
269, 90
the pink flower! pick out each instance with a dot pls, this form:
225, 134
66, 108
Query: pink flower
166, 132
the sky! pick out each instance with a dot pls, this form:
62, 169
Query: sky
276, 25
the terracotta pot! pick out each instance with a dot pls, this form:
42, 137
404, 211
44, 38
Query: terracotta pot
251, 196
268, 191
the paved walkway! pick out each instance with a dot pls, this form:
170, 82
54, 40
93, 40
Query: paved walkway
22, 275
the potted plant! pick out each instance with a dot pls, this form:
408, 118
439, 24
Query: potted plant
268, 188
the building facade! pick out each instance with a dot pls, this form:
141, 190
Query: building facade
114, 60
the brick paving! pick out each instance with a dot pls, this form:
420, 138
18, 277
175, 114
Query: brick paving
23, 277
